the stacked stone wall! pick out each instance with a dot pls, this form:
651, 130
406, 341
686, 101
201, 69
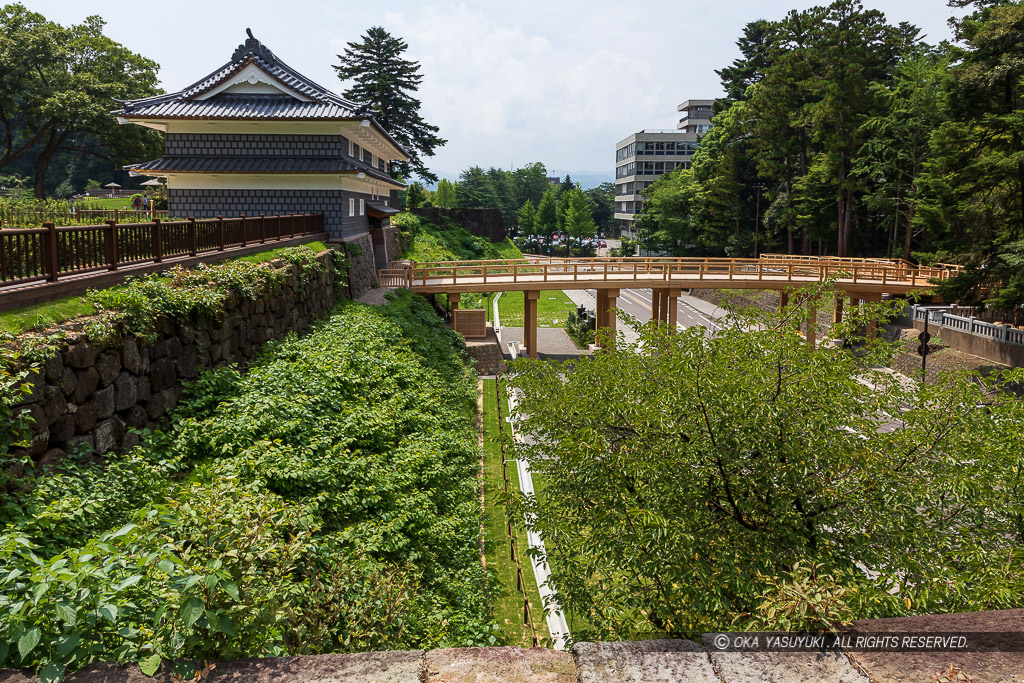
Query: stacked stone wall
97, 392
362, 271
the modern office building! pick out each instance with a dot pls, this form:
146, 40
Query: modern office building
642, 157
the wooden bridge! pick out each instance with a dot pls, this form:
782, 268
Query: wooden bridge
858, 279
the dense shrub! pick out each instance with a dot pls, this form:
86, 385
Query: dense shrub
324, 502
448, 242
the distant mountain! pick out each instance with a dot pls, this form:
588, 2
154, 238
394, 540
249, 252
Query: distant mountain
586, 179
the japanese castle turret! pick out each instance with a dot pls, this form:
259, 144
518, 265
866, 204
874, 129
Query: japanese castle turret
256, 136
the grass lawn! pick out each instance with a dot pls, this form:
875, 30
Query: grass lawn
506, 602
41, 316
108, 203
553, 308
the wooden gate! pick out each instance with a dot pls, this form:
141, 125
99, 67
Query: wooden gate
470, 322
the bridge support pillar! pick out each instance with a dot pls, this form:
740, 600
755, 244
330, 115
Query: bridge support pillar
530, 322
837, 311
783, 298
607, 301
453, 302
656, 305
672, 303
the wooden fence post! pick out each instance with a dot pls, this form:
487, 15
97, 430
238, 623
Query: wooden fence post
291, 224
50, 251
244, 235
277, 219
111, 243
220, 233
116, 216
193, 240
263, 229
158, 241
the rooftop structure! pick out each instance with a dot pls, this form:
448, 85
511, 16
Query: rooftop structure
257, 137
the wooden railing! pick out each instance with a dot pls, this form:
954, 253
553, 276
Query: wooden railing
486, 275
21, 218
50, 253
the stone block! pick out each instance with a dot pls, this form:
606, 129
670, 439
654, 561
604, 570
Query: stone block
506, 664
81, 356
125, 391
644, 661
68, 382
53, 368
104, 400
188, 364
62, 430
85, 417
173, 348
55, 405
108, 366
785, 667
51, 457
142, 392
130, 358
86, 382
108, 435
136, 417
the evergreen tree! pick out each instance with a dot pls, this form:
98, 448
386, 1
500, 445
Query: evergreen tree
754, 45
529, 183
501, 187
547, 214
444, 197
384, 81
414, 198
474, 190
527, 217
567, 184
579, 221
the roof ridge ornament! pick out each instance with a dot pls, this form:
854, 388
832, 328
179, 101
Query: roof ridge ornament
253, 47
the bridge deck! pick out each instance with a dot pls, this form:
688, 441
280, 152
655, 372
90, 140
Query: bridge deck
852, 275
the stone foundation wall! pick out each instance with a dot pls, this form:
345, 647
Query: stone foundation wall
95, 392
362, 272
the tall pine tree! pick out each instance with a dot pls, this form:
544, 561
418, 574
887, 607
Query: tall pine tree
384, 81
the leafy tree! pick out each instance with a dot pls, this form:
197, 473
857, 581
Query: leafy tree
973, 184
444, 196
527, 216
579, 221
414, 197
897, 143
695, 483
504, 199
530, 183
755, 46
667, 216
474, 189
602, 199
56, 89
547, 214
385, 81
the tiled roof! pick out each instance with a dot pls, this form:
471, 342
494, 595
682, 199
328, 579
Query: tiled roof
206, 164
322, 105
224, 106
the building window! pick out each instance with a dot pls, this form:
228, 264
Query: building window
362, 207
351, 207
355, 150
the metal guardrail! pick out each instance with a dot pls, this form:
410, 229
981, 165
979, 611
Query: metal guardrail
1005, 334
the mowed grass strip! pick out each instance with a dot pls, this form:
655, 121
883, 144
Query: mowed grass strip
507, 601
553, 308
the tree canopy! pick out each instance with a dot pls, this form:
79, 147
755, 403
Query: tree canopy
57, 86
693, 482
385, 80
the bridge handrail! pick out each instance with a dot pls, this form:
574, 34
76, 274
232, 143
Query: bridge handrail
970, 325
666, 267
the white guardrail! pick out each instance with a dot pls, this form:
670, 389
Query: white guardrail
941, 316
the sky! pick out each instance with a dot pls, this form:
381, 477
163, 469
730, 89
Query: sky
509, 83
